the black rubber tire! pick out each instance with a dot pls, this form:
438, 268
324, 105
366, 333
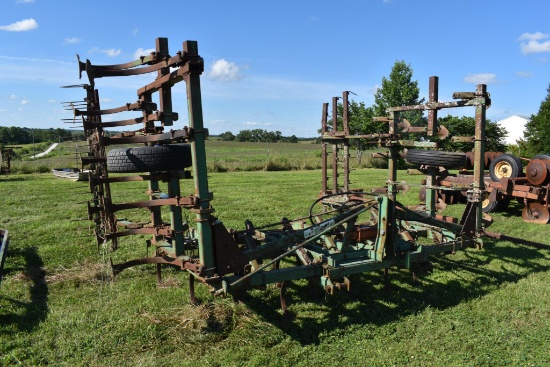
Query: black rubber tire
149, 159
436, 158
542, 156
508, 163
495, 206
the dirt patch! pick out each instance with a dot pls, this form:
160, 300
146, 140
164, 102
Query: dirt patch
87, 271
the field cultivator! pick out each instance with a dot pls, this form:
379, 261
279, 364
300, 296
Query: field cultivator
346, 231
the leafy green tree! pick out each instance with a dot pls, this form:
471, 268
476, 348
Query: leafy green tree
398, 90
244, 135
227, 136
465, 126
537, 131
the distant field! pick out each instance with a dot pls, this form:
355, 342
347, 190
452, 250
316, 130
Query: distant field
57, 307
222, 157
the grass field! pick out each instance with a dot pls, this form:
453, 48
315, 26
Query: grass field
486, 307
223, 156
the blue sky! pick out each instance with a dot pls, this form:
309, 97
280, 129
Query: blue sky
271, 64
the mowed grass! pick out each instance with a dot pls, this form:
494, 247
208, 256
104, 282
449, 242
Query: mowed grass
58, 305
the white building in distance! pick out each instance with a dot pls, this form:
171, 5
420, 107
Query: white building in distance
515, 125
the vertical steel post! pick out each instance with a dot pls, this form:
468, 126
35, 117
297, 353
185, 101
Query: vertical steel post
176, 217
149, 126
324, 149
479, 149
165, 101
165, 91
345, 122
389, 211
198, 150
432, 113
334, 145
432, 127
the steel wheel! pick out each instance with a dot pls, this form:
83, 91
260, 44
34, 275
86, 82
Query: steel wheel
535, 213
537, 171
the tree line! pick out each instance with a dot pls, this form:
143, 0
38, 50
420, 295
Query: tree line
399, 89
258, 135
13, 135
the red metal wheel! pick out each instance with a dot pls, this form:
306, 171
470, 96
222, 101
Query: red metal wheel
535, 213
537, 171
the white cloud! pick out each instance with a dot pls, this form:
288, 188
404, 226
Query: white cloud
51, 100
253, 123
143, 52
373, 90
135, 31
71, 40
106, 100
524, 74
532, 47
533, 36
24, 102
481, 79
225, 71
21, 26
534, 43
24, 1
111, 52
13, 96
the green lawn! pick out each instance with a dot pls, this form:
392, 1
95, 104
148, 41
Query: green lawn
486, 307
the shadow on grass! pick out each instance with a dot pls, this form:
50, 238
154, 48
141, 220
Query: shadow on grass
25, 316
514, 210
369, 302
10, 178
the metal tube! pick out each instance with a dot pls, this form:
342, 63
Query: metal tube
198, 153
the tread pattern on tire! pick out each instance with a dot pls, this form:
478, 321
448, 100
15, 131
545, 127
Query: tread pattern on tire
149, 159
496, 206
436, 158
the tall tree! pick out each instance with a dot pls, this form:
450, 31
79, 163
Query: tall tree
399, 90
465, 126
537, 131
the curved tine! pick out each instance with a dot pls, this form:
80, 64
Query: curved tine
192, 298
282, 297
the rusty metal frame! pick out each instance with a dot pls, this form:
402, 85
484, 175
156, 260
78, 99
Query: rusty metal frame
168, 238
354, 232
5, 160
